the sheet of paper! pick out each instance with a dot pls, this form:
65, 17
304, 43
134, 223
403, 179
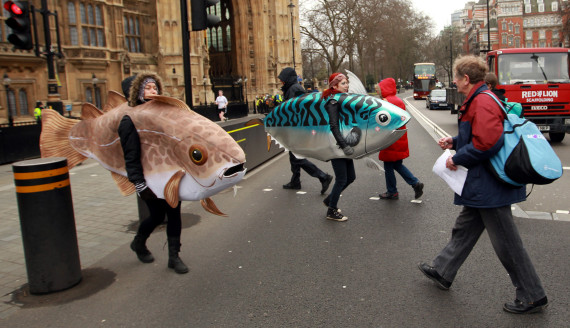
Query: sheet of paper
455, 179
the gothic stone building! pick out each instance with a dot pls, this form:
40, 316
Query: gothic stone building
104, 41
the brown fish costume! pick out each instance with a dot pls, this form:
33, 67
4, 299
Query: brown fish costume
185, 156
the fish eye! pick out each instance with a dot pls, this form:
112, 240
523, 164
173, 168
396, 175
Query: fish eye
383, 118
198, 155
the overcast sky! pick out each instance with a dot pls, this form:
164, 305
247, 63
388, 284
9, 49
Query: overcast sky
439, 10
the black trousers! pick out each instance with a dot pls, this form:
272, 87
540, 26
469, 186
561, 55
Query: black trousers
297, 164
158, 208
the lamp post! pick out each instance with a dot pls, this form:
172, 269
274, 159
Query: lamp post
6, 81
291, 9
204, 80
245, 82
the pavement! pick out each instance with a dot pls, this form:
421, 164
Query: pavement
106, 221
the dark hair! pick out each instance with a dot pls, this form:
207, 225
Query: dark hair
472, 66
491, 79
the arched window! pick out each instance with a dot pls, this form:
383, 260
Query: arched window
229, 38
89, 95
23, 102
72, 17
220, 39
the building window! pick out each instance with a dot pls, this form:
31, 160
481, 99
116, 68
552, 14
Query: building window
555, 34
529, 44
504, 25
542, 34
525, 23
528, 35
510, 27
229, 37
132, 33
554, 6
517, 29
23, 102
90, 23
517, 42
527, 9
541, 7
504, 38
510, 40
12, 107
526, 2
542, 44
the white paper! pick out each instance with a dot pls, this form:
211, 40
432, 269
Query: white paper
455, 179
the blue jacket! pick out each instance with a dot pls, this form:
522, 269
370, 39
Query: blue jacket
480, 136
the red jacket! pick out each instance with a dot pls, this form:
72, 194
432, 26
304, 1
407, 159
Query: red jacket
399, 149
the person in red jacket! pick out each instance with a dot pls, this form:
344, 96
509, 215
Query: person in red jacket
394, 155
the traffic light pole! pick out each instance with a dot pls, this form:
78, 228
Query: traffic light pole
185, 52
54, 99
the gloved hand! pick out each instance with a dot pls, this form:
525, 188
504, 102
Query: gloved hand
147, 194
348, 150
144, 191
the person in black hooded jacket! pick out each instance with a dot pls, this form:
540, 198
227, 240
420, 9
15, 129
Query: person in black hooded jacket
136, 89
291, 89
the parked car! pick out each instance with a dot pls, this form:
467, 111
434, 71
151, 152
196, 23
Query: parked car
437, 99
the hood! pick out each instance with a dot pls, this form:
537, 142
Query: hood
388, 87
136, 85
289, 76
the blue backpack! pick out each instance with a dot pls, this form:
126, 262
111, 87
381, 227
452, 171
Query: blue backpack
526, 156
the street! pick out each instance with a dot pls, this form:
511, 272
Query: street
276, 262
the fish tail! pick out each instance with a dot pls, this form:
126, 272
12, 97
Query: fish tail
54, 139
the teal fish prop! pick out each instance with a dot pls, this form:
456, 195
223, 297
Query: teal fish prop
368, 124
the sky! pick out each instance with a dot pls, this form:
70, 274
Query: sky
439, 10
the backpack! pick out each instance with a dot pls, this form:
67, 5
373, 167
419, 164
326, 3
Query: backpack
526, 155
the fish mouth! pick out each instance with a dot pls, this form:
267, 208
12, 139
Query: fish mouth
232, 171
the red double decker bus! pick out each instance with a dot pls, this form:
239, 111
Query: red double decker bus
538, 79
424, 79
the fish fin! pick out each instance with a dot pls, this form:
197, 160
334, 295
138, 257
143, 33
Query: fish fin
114, 99
54, 139
125, 186
90, 111
173, 101
355, 86
171, 190
209, 206
254, 121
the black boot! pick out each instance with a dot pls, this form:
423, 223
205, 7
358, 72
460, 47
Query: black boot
139, 246
174, 262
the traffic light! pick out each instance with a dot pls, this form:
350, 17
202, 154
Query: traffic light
201, 20
20, 24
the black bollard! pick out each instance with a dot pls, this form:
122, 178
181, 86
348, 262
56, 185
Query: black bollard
47, 224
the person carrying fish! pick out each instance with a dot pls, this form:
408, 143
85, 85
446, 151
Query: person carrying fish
291, 89
394, 155
137, 89
343, 167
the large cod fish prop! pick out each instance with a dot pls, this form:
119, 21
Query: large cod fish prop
368, 124
184, 155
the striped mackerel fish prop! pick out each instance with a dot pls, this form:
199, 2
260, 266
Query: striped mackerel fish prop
368, 124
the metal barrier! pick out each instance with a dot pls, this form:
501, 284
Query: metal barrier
47, 224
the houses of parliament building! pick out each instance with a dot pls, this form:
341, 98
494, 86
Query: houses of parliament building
105, 41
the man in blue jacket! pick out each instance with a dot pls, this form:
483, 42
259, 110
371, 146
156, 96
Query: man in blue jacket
486, 201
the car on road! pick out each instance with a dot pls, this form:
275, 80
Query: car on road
437, 99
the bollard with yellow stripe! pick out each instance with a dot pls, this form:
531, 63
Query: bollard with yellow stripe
47, 224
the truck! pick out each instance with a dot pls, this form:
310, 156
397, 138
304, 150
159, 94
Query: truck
538, 79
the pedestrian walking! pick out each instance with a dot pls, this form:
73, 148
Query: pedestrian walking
291, 89
343, 167
222, 103
137, 89
486, 201
393, 156
38, 111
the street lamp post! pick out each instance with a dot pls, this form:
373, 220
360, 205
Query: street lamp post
6, 81
291, 9
204, 80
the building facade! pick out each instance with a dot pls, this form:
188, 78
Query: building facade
105, 41
511, 24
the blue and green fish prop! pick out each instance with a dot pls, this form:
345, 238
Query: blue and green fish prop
368, 124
